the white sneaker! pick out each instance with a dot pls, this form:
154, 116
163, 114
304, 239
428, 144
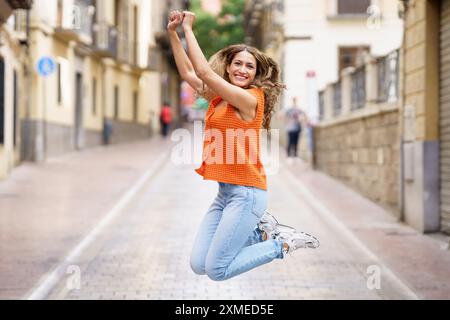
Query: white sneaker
297, 239
268, 224
273, 229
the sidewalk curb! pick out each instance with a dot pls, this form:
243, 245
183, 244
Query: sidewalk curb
347, 233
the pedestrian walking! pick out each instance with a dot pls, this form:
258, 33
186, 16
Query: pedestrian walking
165, 119
242, 86
294, 116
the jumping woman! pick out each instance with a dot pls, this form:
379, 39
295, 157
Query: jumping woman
242, 85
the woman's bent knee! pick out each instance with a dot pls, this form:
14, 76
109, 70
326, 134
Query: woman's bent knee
198, 267
215, 274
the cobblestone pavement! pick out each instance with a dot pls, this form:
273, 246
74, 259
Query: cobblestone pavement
142, 250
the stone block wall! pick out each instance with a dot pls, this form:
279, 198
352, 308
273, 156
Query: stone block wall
364, 154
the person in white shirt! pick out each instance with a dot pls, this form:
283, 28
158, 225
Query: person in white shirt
294, 116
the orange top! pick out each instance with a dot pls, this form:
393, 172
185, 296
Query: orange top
231, 148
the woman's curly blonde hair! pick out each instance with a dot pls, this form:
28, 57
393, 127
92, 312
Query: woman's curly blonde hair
267, 76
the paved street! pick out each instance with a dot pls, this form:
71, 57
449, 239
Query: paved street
124, 218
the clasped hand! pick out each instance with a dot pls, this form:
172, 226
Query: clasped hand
186, 18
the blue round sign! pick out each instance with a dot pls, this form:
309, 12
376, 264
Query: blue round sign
46, 66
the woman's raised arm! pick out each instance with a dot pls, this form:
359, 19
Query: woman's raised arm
184, 65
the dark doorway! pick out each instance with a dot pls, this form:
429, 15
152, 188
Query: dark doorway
78, 111
2, 101
15, 109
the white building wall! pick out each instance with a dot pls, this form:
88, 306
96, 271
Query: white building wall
313, 40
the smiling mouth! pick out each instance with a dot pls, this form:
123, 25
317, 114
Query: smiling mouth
240, 78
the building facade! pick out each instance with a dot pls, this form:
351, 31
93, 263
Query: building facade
384, 126
95, 94
86, 73
323, 37
13, 94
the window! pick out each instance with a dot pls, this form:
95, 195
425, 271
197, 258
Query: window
135, 34
116, 102
353, 6
135, 105
14, 107
94, 96
62, 77
351, 56
321, 105
337, 98
59, 89
117, 12
59, 15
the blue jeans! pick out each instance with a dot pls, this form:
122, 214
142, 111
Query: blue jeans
228, 242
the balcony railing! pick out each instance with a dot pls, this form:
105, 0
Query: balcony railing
321, 105
123, 49
134, 52
358, 80
375, 82
8, 6
154, 59
20, 21
105, 40
337, 98
75, 19
127, 50
388, 71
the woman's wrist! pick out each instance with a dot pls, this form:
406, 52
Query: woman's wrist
187, 28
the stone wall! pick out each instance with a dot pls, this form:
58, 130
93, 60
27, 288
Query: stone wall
364, 154
123, 131
60, 138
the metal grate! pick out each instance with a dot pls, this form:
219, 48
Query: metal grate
445, 116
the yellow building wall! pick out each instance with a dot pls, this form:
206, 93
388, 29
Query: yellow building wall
45, 89
93, 119
150, 99
422, 67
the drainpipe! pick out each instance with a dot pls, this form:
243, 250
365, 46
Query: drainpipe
403, 99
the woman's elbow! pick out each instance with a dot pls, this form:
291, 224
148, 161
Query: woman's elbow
203, 73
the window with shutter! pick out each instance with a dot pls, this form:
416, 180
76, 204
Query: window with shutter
350, 56
353, 6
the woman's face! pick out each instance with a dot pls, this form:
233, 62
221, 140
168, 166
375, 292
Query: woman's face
242, 69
